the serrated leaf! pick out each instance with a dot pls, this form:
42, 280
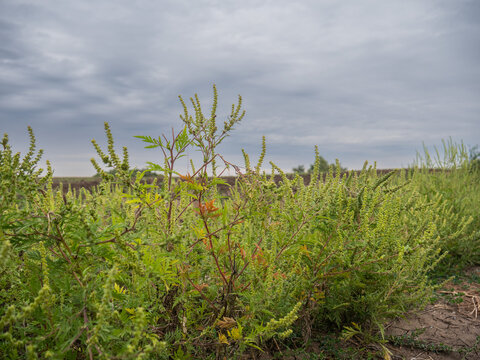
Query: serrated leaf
217, 181
144, 138
155, 167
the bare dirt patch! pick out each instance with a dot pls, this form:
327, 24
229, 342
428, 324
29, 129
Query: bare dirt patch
448, 329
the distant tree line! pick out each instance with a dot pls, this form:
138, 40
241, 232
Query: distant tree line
324, 166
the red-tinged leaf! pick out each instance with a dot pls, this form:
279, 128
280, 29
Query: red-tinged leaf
188, 178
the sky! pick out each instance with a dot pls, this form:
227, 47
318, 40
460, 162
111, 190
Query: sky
363, 80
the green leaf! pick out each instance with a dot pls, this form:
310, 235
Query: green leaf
155, 167
218, 181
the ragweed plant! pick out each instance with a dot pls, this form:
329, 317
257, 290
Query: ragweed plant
177, 269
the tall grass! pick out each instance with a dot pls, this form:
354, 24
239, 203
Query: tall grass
450, 179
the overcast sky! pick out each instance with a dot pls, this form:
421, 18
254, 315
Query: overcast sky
363, 80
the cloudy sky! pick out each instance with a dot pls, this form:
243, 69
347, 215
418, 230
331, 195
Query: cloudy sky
363, 80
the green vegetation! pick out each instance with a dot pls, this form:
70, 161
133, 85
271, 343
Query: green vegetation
323, 167
133, 172
133, 270
410, 340
450, 180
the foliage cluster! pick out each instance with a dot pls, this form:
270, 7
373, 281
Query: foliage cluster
133, 270
323, 167
133, 172
454, 189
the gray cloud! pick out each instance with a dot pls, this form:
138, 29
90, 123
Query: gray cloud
362, 80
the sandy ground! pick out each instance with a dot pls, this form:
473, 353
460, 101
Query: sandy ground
454, 321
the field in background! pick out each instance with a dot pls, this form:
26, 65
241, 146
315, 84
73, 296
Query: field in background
88, 183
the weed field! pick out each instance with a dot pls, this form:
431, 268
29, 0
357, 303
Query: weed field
179, 268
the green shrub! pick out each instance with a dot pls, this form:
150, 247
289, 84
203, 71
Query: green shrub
178, 270
450, 182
